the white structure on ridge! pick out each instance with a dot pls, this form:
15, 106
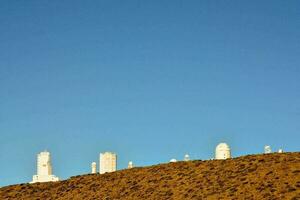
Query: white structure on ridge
186, 157
44, 169
268, 149
108, 162
130, 165
173, 160
222, 151
280, 151
94, 167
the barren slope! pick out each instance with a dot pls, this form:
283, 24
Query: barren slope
271, 176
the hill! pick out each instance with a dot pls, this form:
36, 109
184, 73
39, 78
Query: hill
266, 176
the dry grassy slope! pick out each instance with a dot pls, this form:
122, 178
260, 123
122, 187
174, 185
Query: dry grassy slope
271, 176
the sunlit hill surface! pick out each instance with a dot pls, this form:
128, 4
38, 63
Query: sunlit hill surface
266, 176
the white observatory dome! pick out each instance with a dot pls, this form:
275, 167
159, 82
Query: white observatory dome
222, 151
94, 167
186, 157
130, 164
268, 149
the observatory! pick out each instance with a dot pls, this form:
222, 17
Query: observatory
173, 160
130, 164
222, 151
44, 169
94, 167
108, 162
186, 157
268, 149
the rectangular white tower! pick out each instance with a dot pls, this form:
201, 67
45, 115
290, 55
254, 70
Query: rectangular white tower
108, 162
44, 169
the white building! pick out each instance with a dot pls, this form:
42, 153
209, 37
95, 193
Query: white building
108, 162
186, 157
222, 151
280, 150
94, 167
173, 160
268, 149
130, 164
44, 169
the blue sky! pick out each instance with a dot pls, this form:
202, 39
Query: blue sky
149, 80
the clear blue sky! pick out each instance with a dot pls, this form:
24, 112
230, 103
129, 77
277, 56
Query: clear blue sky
149, 80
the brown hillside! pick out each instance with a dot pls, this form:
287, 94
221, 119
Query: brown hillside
271, 176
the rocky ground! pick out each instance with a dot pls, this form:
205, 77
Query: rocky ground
270, 176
